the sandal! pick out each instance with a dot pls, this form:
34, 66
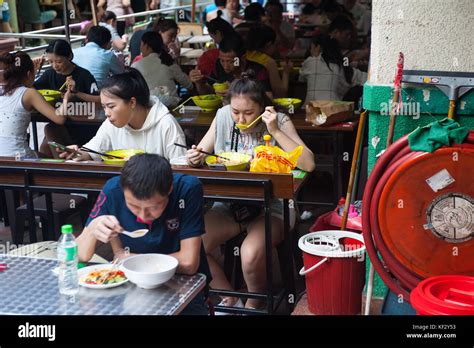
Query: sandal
224, 303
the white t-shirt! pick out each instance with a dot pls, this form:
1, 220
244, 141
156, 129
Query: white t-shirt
327, 84
161, 78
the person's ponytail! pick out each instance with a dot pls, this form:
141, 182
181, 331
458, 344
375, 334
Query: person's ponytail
331, 53
155, 42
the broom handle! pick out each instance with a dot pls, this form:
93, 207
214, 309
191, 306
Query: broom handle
359, 160
452, 107
355, 159
395, 100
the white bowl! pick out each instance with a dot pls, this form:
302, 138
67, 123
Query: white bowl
149, 271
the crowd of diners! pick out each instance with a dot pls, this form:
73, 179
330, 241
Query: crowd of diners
254, 49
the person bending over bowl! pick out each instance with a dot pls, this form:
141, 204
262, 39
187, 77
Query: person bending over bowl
134, 121
148, 195
228, 67
248, 100
63, 72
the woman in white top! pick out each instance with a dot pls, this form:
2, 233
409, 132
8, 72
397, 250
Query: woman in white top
17, 100
134, 121
161, 73
247, 101
327, 72
109, 21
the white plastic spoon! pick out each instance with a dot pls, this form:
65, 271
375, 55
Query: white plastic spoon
137, 233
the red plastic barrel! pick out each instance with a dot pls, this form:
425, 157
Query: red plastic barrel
444, 295
334, 266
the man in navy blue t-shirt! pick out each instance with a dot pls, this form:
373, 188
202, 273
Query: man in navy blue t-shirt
148, 195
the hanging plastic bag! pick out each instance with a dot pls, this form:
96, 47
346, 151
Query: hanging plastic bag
272, 159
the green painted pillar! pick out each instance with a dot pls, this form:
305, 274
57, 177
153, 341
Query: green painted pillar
420, 106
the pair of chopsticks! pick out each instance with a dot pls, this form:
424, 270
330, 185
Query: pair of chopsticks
211, 79
61, 88
40, 67
204, 152
86, 149
176, 108
115, 265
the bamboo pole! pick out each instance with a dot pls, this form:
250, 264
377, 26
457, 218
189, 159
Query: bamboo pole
395, 99
94, 12
355, 160
193, 11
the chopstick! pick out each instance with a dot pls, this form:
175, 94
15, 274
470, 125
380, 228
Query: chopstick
40, 67
182, 104
99, 153
115, 265
201, 151
64, 84
211, 79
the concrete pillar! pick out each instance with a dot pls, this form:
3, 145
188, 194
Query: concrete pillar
433, 35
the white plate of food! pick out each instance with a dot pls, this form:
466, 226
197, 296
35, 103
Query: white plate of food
93, 277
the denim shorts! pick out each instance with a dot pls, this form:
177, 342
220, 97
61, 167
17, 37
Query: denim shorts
276, 209
4, 12
45, 17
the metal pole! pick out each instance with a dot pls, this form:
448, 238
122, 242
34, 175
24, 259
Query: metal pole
51, 232
268, 244
193, 11
66, 21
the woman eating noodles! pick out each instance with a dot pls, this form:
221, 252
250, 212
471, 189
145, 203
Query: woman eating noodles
247, 101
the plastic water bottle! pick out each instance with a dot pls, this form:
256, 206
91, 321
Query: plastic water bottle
68, 259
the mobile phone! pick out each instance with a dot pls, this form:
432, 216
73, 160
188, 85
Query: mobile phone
60, 147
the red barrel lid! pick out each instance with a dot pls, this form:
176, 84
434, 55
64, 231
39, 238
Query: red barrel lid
421, 225
444, 295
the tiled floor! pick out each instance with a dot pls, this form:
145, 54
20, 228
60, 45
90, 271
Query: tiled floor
301, 307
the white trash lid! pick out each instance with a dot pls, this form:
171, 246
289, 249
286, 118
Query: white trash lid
326, 244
